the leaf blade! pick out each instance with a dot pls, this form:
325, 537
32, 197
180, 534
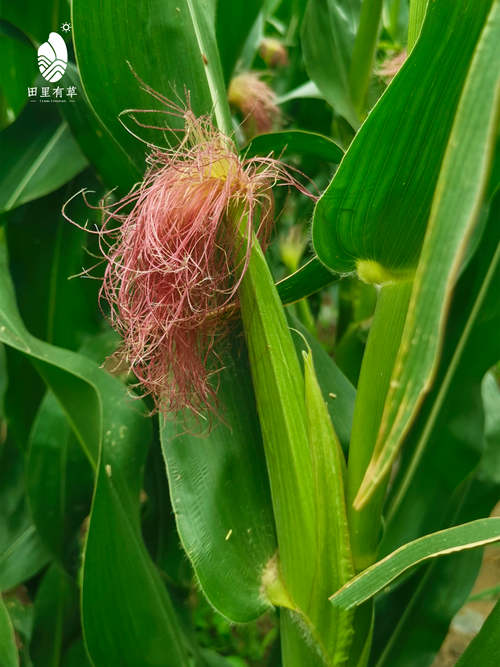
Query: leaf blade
375, 578
220, 493
459, 195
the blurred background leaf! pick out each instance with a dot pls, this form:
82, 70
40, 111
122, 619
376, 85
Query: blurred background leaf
18, 70
40, 155
233, 24
22, 553
9, 655
56, 618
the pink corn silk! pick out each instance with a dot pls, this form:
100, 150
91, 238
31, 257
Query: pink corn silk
174, 262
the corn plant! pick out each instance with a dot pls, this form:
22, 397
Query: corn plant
259, 424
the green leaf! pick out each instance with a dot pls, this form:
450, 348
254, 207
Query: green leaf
60, 483
279, 389
459, 196
304, 91
449, 426
363, 53
233, 24
57, 618
39, 156
20, 609
158, 520
67, 308
377, 206
484, 649
307, 280
8, 656
36, 18
381, 351
220, 494
15, 80
416, 17
357, 302
334, 551
416, 616
338, 393
115, 436
113, 165
294, 142
375, 578
137, 602
22, 553
77, 656
327, 43
395, 19
436, 592
184, 27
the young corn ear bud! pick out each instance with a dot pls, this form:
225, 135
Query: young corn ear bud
273, 52
256, 102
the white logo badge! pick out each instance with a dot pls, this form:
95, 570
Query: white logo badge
53, 58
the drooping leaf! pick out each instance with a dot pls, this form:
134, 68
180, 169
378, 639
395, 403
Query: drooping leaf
115, 437
39, 155
375, 578
377, 206
459, 196
221, 498
294, 142
307, 280
437, 591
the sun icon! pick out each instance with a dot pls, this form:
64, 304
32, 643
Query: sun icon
66, 27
